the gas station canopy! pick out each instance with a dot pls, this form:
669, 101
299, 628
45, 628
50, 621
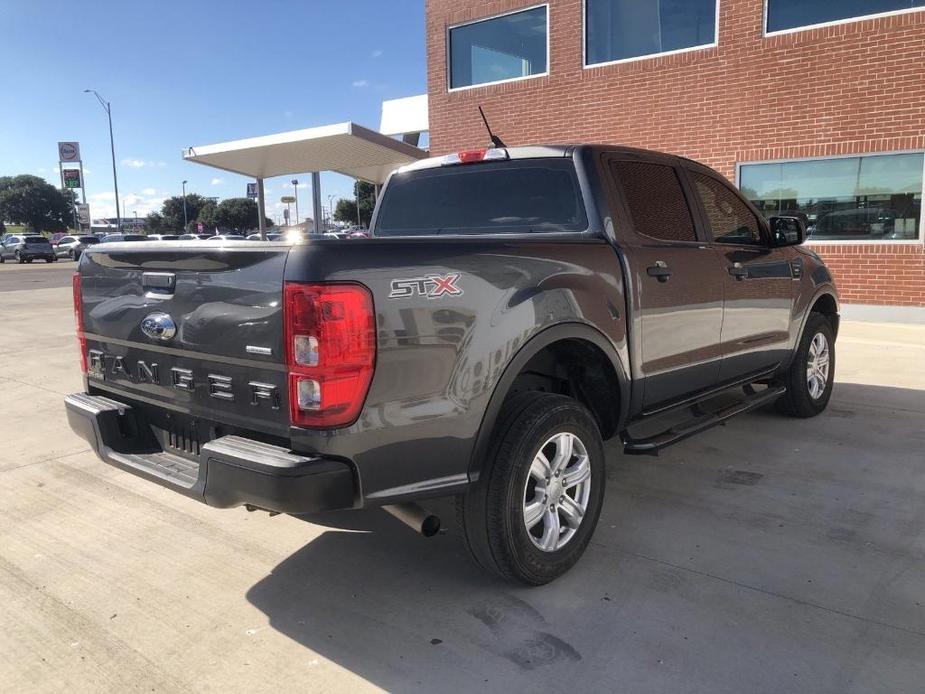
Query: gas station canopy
346, 148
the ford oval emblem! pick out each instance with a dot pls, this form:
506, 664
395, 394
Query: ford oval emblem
158, 326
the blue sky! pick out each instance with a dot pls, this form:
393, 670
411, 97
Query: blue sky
193, 73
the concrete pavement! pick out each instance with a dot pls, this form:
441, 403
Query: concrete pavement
770, 555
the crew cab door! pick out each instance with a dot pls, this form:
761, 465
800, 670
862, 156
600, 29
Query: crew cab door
676, 281
758, 279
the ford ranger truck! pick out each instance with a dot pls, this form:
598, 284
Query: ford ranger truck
513, 309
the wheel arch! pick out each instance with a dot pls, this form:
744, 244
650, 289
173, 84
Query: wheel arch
560, 335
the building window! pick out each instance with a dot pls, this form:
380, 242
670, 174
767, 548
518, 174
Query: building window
784, 15
867, 198
512, 46
627, 29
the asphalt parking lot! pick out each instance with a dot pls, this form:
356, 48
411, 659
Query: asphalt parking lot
770, 555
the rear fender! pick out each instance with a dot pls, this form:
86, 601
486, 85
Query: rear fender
549, 336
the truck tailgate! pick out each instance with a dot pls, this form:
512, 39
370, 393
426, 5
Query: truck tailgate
194, 328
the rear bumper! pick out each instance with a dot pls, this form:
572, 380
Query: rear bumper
230, 470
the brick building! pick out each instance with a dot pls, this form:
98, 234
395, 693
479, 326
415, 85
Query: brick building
811, 106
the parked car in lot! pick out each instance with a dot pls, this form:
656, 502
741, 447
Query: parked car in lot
226, 237
72, 246
115, 238
163, 237
512, 310
194, 237
270, 237
25, 249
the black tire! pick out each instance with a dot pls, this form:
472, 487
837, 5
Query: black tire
19, 258
2, 259
71, 254
492, 513
50, 260
799, 400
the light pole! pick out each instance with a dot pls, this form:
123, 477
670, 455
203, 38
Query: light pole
112, 147
185, 220
295, 190
331, 209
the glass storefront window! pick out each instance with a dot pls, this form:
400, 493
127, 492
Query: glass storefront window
622, 29
793, 14
508, 47
867, 198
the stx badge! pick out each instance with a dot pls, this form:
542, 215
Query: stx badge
431, 286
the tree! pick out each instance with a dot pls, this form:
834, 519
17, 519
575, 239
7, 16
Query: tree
155, 223
172, 210
239, 214
208, 215
32, 201
346, 209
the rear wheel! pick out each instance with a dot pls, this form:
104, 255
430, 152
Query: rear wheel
19, 258
71, 254
531, 515
811, 376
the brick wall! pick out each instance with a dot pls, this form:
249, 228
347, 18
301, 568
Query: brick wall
845, 89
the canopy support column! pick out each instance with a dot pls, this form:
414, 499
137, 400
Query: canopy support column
316, 201
261, 211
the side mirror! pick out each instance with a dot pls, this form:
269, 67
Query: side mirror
787, 231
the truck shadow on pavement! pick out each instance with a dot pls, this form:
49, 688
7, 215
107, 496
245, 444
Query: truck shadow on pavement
701, 555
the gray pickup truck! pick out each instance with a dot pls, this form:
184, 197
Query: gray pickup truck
513, 309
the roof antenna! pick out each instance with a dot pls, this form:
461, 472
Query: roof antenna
495, 140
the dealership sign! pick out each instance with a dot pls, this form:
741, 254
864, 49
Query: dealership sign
71, 178
68, 151
252, 190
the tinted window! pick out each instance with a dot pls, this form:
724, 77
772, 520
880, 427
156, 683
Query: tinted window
533, 195
729, 218
500, 48
36, 240
620, 29
875, 197
790, 14
66, 239
89, 240
655, 199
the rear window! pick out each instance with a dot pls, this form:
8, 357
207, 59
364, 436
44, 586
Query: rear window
533, 195
89, 239
36, 239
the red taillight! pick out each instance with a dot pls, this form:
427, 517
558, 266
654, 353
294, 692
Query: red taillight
79, 318
330, 351
471, 156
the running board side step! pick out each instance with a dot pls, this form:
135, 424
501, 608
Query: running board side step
653, 444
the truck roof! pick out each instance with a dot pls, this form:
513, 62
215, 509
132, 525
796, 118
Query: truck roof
533, 152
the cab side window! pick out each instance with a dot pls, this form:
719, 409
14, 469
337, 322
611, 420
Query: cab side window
655, 200
729, 217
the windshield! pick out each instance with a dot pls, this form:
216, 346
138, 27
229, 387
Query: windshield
531, 195
36, 239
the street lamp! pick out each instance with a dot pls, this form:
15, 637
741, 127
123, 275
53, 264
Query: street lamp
295, 190
331, 208
112, 147
185, 220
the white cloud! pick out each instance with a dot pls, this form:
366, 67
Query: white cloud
217, 181
360, 83
148, 191
141, 163
376, 53
103, 204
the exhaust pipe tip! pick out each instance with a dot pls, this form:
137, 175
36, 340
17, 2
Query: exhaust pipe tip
415, 517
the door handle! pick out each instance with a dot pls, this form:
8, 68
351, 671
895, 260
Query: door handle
739, 272
659, 270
